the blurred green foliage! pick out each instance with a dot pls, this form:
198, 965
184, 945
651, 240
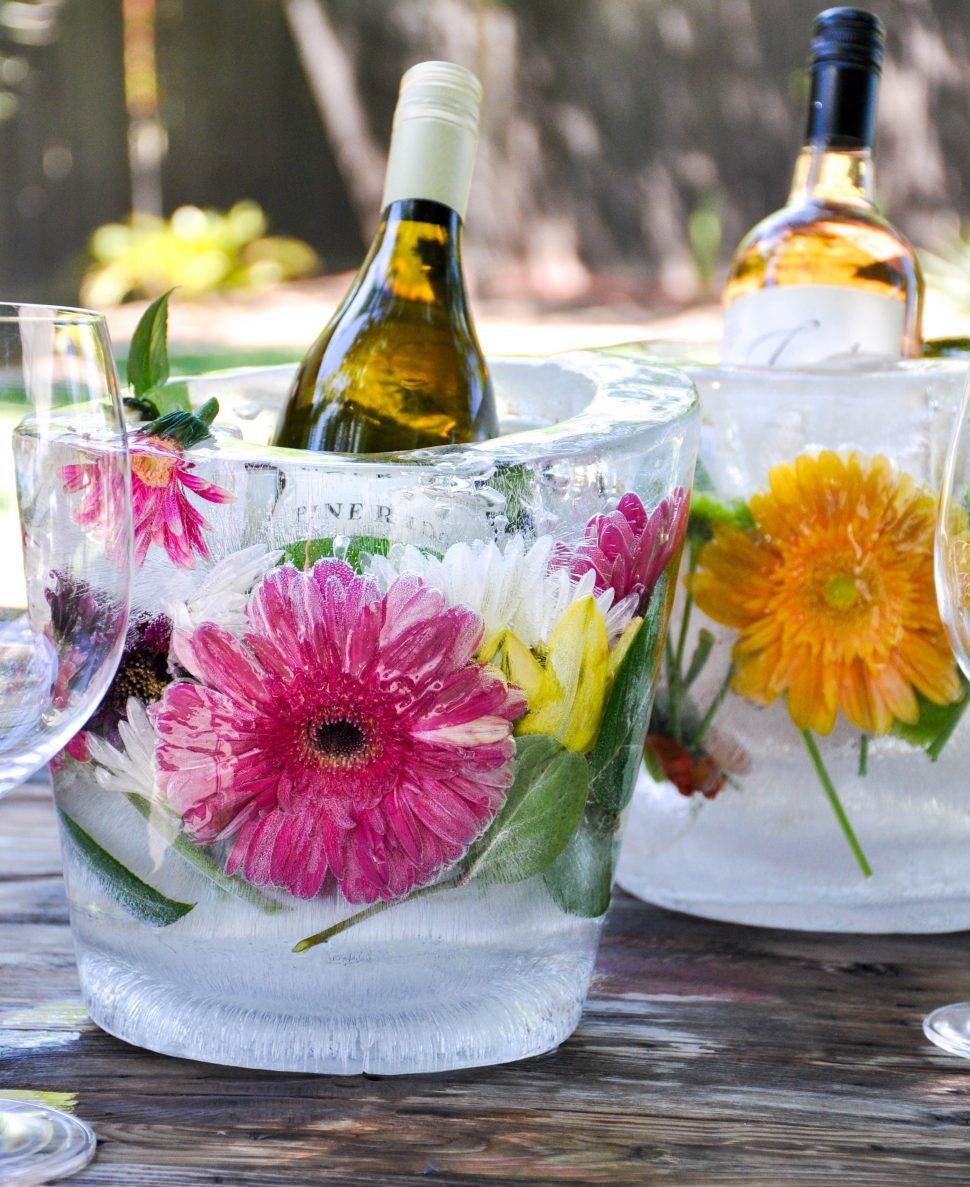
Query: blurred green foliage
948, 269
705, 229
197, 251
184, 363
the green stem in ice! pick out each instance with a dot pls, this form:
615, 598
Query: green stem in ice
712, 708
702, 653
675, 680
863, 755
328, 933
168, 827
688, 606
833, 797
935, 749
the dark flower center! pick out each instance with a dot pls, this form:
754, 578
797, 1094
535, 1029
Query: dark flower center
340, 739
143, 676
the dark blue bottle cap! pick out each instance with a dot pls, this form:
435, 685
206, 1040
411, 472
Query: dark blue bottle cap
849, 36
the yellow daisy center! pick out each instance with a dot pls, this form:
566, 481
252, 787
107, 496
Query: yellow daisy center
155, 468
841, 592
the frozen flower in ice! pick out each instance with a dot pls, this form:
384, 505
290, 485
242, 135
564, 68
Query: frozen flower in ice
628, 549
221, 598
349, 734
566, 679
84, 626
566, 687
142, 673
161, 480
511, 587
77, 748
831, 592
130, 766
692, 773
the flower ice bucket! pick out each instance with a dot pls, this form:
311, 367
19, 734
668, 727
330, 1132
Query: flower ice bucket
811, 544
354, 799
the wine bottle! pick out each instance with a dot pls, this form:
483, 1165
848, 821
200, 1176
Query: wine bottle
399, 365
827, 274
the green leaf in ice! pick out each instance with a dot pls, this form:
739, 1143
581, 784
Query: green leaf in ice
540, 814
172, 396
707, 512
168, 826
581, 878
184, 428
144, 902
935, 725
305, 553
147, 409
615, 760
515, 481
148, 353
703, 483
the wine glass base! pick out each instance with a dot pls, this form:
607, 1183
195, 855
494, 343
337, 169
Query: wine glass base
39, 1144
949, 1028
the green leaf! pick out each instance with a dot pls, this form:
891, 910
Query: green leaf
168, 826
933, 728
515, 481
615, 760
305, 553
706, 512
146, 409
543, 808
148, 354
185, 428
172, 396
144, 902
581, 878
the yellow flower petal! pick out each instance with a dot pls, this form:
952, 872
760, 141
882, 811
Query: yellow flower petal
569, 701
622, 646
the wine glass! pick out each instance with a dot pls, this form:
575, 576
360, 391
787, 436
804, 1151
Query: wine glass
949, 1026
65, 573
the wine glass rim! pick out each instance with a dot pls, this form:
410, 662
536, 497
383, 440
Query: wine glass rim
65, 315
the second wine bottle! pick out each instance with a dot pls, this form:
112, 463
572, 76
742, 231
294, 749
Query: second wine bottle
399, 365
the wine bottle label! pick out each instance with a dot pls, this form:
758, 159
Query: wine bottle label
797, 325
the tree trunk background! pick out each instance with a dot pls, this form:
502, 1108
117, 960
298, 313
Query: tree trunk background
610, 126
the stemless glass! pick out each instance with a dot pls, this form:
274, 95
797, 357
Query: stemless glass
64, 610
949, 1026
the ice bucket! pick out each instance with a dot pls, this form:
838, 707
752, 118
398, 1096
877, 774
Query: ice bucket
354, 798
810, 673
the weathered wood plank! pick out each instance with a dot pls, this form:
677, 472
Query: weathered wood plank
708, 1054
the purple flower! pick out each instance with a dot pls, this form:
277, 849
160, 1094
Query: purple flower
629, 548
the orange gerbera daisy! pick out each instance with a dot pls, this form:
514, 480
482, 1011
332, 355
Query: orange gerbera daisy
832, 594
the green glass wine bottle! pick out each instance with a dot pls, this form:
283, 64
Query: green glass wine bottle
399, 365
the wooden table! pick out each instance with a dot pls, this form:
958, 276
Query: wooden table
708, 1054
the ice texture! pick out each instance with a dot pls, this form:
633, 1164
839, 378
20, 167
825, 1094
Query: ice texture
767, 850
474, 976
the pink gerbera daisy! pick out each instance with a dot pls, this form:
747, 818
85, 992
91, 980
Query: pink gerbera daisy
162, 513
347, 734
630, 547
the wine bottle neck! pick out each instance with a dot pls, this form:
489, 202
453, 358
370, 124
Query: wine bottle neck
416, 253
836, 163
431, 157
832, 175
842, 105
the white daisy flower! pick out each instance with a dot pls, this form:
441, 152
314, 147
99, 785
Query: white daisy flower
222, 596
130, 770
512, 588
